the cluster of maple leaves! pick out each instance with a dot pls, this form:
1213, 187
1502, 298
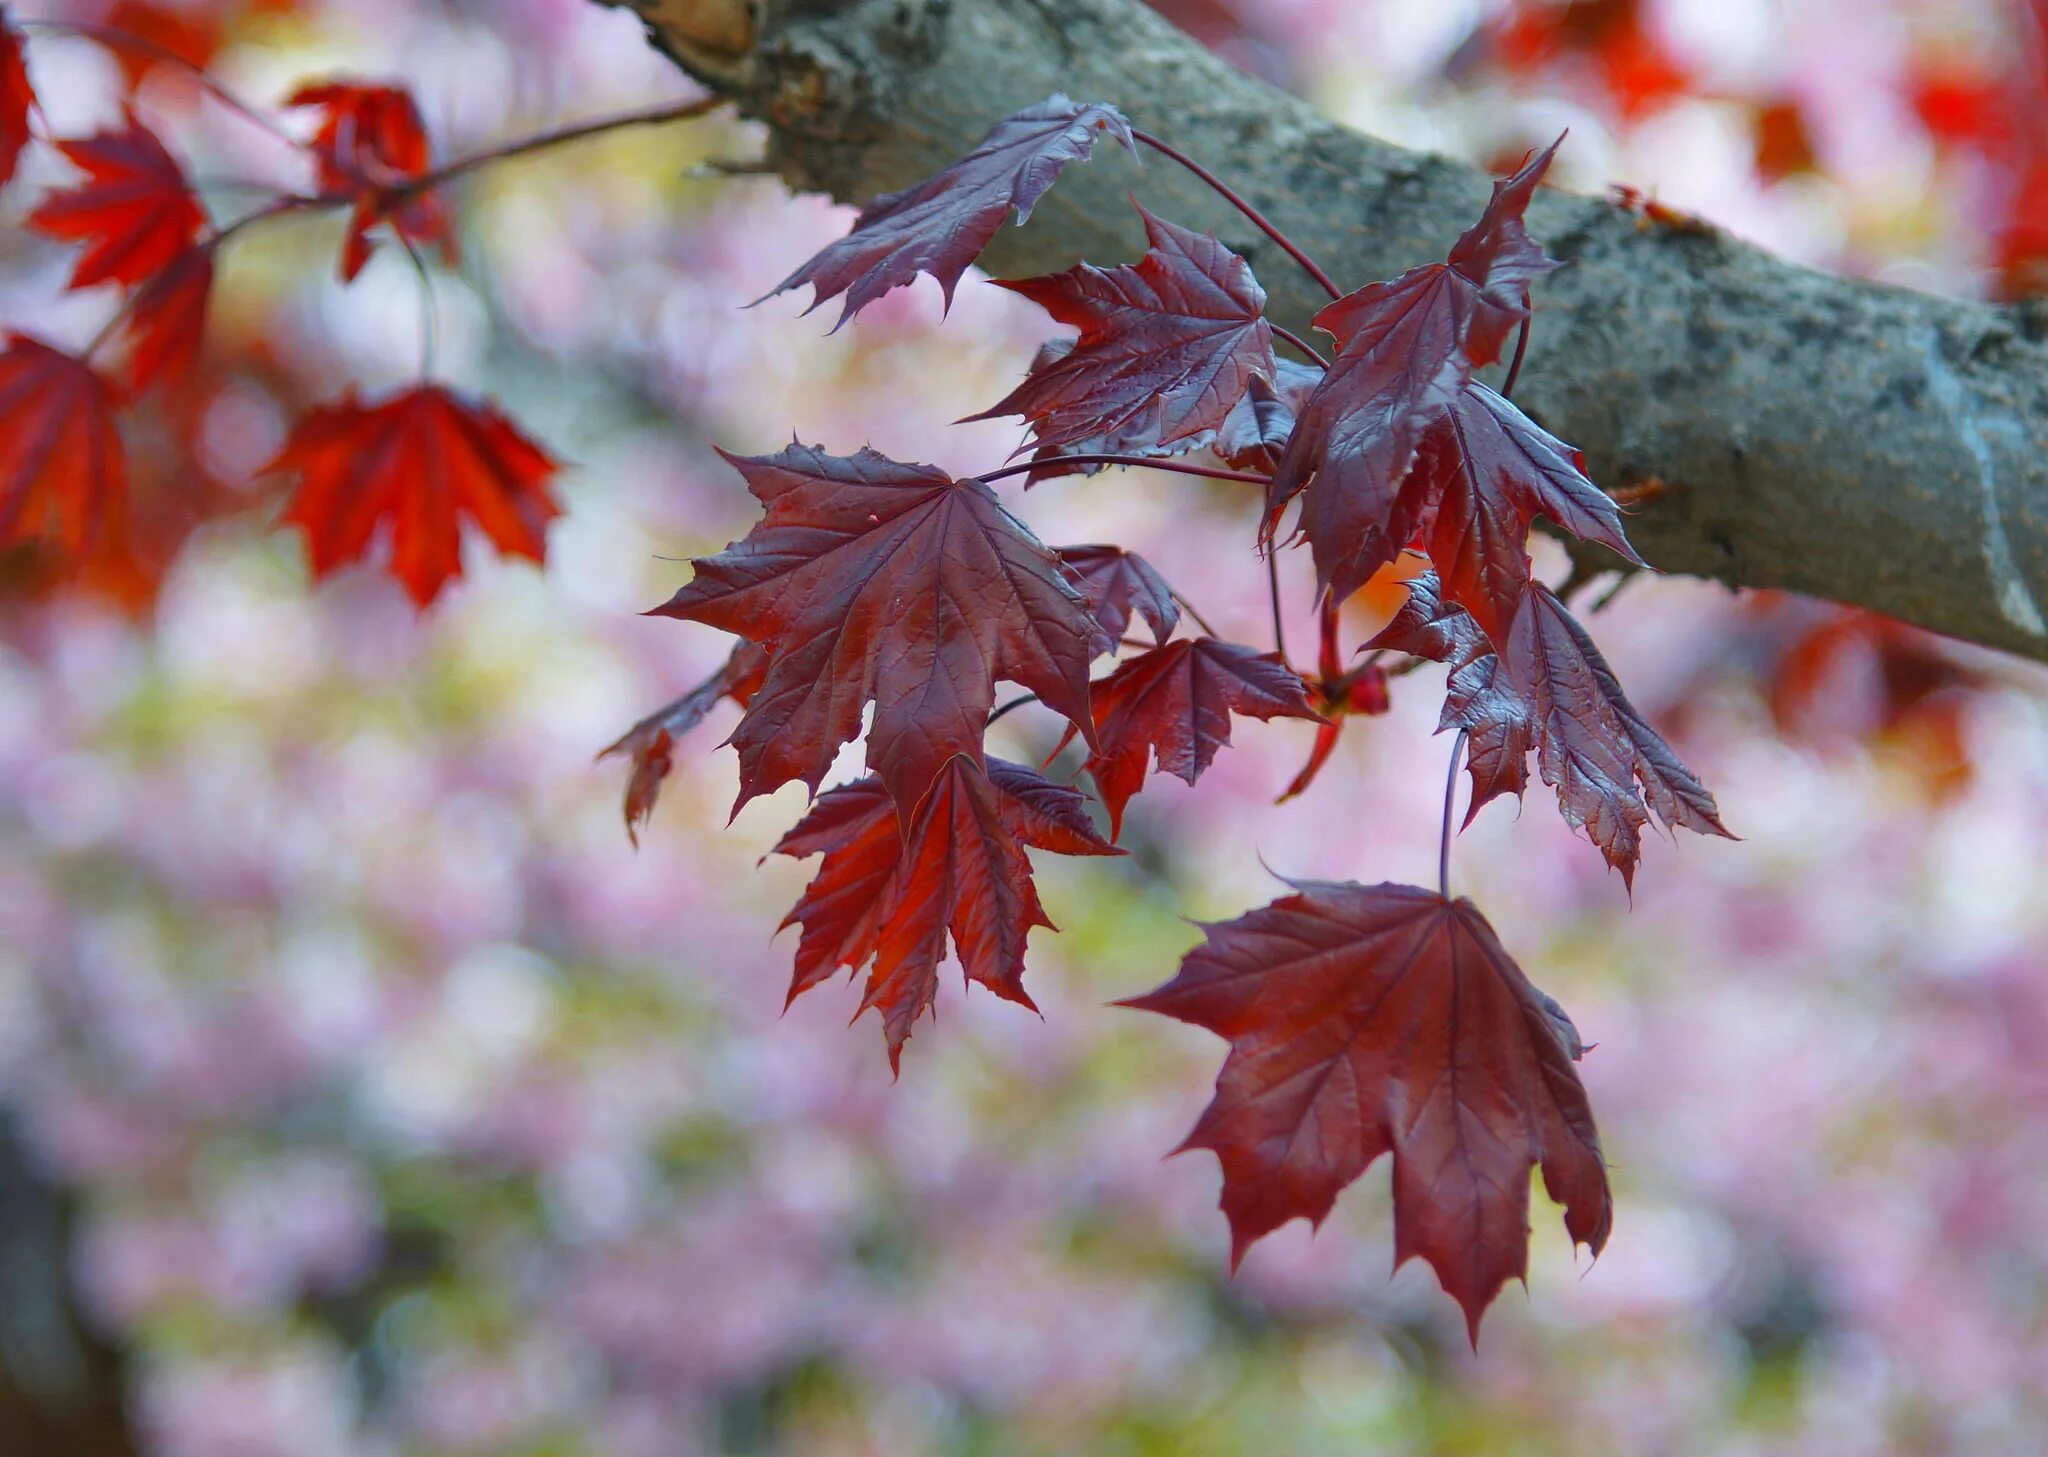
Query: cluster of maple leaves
1362, 1019
887, 599
410, 468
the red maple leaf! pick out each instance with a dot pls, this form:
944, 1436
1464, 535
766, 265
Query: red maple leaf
1166, 349
1592, 746
1118, 583
178, 38
62, 469
17, 99
961, 872
650, 742
940, 225
135, 212
418, 464
873, 580
1175, 702
1365, 1020
1405, 350
371, 143
167, 320
1478, 697
1484, 472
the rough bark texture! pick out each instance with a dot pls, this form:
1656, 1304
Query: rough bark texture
1871, 445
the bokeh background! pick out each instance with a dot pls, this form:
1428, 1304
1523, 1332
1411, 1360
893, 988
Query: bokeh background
364, 1093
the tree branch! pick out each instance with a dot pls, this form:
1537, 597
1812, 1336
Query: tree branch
1779, 427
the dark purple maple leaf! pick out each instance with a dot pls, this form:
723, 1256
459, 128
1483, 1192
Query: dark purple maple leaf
1166, 348
870, 580
940, 225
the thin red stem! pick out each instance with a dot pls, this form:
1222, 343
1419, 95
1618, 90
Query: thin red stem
1507, 386
1147, 461
1273, 594
1443, 853
1290, 337
1230, 195
1199, 620
115, 38
541, 141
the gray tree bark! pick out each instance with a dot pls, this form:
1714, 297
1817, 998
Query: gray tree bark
1781, 427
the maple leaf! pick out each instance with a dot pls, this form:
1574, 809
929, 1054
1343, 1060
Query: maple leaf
1166, 348
1405, 350
369, 141
1365, 1020
134, 212
17, 100
1251, 437
873, 580
167, 320
1118, 583
62, 467
418, 464
1485, 471
1592, 746
961, 872
940, 225
1174, 703
650, 742
1255, 433
1479, 697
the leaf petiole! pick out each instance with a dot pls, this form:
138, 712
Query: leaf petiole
1230, 195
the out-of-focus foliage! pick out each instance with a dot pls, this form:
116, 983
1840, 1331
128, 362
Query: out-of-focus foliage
409, 1110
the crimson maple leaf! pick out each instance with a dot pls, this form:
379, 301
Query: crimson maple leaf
1167, 346
1405, 350
62, 469
416, 464
1365, 1020
1478, 695
1592, 746
940, 225
134, 212
1175, 702
1485, 471
961, 872
873, 580
17, 99
1118, 583
167, 320
650, 742
371, 142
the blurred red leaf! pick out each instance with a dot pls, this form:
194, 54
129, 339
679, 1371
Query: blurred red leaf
135, 212
167, 320
940, 225
370, 140
873, 580
192, 33
1365, 1020
63, 472
17, 99
1175, 702
418, 465
1166, 349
